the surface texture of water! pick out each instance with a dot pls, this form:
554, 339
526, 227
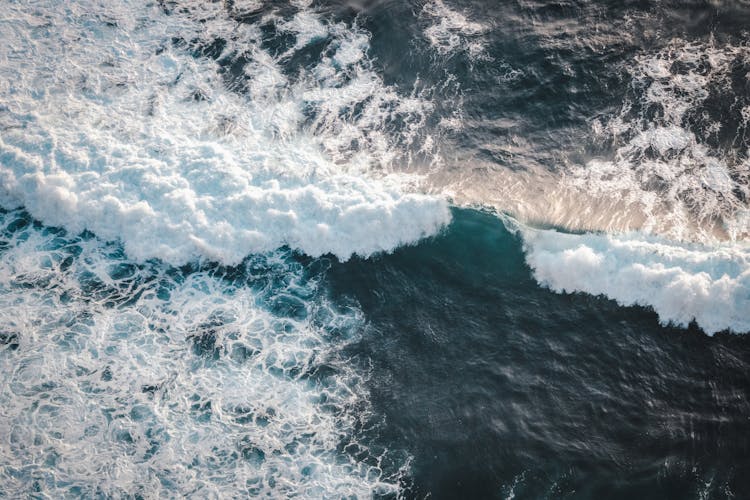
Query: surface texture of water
375, 248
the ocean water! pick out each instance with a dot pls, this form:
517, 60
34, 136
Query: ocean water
374, 249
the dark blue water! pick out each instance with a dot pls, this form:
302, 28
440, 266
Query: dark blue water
497, 385
551, 67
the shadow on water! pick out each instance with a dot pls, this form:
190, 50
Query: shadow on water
499, 387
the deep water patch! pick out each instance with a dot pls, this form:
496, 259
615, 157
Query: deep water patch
498, 386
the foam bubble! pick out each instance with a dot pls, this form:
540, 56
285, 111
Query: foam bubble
128, 379
683, 283
120, 119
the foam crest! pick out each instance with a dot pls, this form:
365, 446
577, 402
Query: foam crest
127, 379
123, 119
683, 283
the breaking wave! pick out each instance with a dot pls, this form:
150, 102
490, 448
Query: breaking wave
122, 119
681, 282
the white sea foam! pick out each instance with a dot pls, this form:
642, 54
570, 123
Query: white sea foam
679, 165
109, 125
664, 167
682, 283
451, 32
665, 179
122, 379
126, 379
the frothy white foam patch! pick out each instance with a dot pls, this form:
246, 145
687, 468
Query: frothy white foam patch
111, 125
682, 283
123, 379
307, 27
667, 164
451, 32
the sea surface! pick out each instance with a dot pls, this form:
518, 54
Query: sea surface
375, 249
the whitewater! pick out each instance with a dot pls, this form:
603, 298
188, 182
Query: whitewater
111, 126
150, 153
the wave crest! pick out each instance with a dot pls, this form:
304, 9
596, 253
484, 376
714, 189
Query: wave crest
123, 119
